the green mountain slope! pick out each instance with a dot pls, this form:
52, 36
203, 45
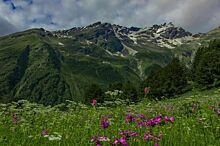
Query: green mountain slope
50, 67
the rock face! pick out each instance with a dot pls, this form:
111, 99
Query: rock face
164, 35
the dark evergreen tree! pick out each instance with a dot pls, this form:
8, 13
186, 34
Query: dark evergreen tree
115, 86
130, 92
169, 81
206, 65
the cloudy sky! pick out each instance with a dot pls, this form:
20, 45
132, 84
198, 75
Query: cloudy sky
193, 15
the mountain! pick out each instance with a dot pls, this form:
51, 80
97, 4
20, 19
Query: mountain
50, 67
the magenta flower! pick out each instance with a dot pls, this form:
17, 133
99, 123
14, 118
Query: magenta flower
218, 112
166, 118
171, 119
151, 123
94, 102
104, 123
129, 118
44, 132
157, 120
121, 141
156, 144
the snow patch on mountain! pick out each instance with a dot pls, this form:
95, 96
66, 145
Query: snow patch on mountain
130, 50
61, 44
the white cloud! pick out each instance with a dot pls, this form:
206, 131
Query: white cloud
6, 27
194, 15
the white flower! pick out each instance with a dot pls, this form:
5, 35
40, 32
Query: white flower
53, 137
103, 138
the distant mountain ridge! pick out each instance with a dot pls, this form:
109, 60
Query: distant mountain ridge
50, 67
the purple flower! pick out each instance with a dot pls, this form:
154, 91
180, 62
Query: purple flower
151, 123
14, 121
127, 134
218, 112
104, 123
157, 120
121, 141
129, 118
148, 136
156, 144
44, 132
141, 123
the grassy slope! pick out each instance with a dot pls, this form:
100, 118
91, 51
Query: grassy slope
195, 124
35, 67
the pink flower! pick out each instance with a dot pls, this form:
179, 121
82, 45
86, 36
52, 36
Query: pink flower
146, 90
156, 144
44, 132
94, 102
172, 119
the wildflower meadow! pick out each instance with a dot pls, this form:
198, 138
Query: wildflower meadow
189, 120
